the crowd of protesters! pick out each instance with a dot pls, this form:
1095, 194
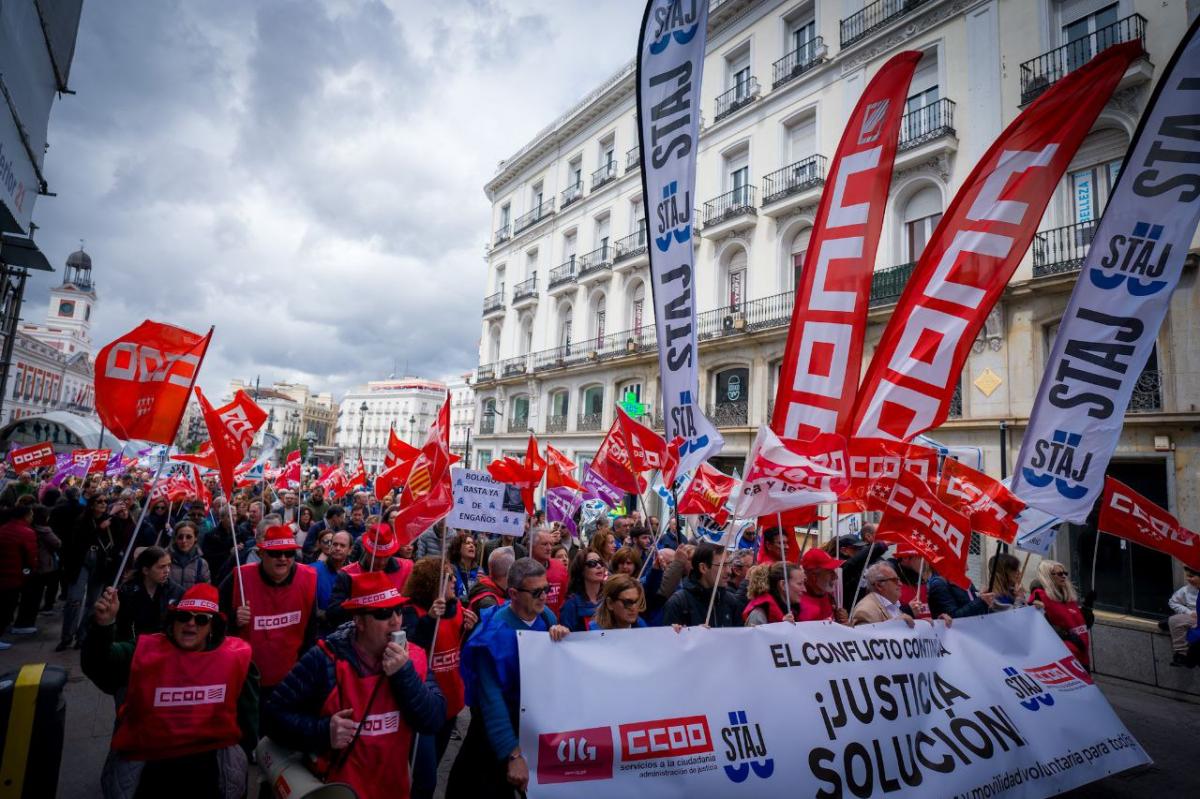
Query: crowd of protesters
291, 607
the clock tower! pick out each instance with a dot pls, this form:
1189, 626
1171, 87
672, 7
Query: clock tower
69, 316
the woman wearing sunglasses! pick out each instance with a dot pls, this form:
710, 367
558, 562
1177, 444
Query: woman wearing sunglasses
1054, 590
587, 575
621, 604
164, 739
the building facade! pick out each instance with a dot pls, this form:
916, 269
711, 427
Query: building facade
567, 326
408, 405
462, 413
69, 314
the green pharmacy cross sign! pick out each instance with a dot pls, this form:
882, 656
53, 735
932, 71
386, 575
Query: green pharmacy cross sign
632, 407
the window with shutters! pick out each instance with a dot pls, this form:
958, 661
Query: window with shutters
921, 113
800, 137
796, 255
1085, 29
920, 216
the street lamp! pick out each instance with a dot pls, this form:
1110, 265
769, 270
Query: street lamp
412, 429
311, 438
362, 420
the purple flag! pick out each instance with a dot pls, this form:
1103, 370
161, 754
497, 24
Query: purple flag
561, 504
596, 487
116, 465
70, 470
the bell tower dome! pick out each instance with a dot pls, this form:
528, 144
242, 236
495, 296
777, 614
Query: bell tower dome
69, 314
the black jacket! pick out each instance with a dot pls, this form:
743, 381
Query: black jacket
689, 605
946, 597
334, 615
292, 716
140, 613
853, 568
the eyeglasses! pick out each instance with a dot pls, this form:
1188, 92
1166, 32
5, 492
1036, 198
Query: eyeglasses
326, 542
384, 614
286, 554
536, 593
1058, 574
201, 619
591, 564
628, 604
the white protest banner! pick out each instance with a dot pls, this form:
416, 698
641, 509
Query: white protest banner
993, 707
485, 505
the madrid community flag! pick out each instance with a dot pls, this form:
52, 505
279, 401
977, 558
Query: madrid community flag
231, 430
144, 379
913, 514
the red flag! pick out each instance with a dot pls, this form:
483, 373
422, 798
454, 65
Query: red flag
199, 489
707, 493
358, 477
143, 380
990, 506
427, 495
533, 460
647, 449
290, 475
334, 482
157, 492
1127, 514
95, 459
559, 471
292, 457
612, 462
913, 514
205, 456
36, 456
178, 488
829, 320
782, 474
974, 251
398, 450
872, 460
515, 473
231, 428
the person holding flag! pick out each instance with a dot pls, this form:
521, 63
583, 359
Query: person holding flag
379, 547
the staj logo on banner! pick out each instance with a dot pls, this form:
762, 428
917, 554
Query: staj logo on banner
678, 21
745, 749
1054, 461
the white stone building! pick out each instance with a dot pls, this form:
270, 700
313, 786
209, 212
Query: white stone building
69, 313
567, 326
462, 413
366, 414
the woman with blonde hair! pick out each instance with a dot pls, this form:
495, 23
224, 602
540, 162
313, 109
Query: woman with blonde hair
1054, 590
621, 602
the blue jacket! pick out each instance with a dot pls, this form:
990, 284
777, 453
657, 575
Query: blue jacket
592, 625
945, 597
292, 716
325, 581
573, 612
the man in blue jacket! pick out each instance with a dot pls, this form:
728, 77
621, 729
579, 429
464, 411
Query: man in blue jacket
490, 763
946, 597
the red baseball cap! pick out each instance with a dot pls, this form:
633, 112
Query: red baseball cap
819, 559
200, 598
381, 541
372, 590
906, 550
278, 538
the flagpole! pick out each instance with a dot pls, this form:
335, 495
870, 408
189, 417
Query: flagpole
237, 563
141, 518
787, 591
442, 580
920, 574
712, 598
661, 527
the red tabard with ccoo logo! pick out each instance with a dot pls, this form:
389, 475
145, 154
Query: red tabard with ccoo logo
279, 617
398, 577
378, 763
180, 703
556, 585
443, 659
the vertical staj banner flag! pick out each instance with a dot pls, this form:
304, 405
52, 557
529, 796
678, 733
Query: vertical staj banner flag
975, 250
144, 379
1119, 302
669, 67
818, 378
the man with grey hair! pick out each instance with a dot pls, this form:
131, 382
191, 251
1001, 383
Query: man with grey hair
490, 762
882, 602
492, 588
556, 574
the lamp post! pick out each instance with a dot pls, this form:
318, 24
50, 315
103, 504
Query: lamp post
412, 429
311, 438
362, 420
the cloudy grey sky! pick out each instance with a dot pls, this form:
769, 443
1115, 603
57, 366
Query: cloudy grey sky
306, 175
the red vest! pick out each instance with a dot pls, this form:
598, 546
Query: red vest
378, 762
490, 589
556, 591
279, 617
398, 577
443, 659
910, 592
180, 703
767, 603
1066, 616
815, 608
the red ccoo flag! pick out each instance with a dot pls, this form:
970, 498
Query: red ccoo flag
33, 457
1127, 514
912, 513
231, 429
559, 470
707, 493
143, 380
205, 456
987, 502
427, 495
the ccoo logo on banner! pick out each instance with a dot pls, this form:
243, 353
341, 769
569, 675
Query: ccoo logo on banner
670, 63
1118, 305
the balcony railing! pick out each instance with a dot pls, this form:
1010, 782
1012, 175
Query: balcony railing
927, 123
493, 302
571, 193
955, 411
794, 178
875, 16
606, 347
630, 246
525, 289
633, 158
595, 261
544, 210
1062, 249
514, 366
738, 202
563, 274
556, 423
485, 372
729, 414
604, 174
739, 96
589, 422
518, 424
888, 284
487, 425
799, 61
1039, 74
1147, 392
503, 235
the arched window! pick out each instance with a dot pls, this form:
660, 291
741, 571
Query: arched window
920, 216
591, 408
797, 251
493, 349
526, 342
1092, 174
731, 397
637, 306
599, 314
518, 417
733, 269
556, 422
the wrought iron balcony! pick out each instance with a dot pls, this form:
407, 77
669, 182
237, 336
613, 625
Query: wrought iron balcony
794, 178
597, 260
485, 372
606, 347
544, 210
1147, 392
589, 422
633, 159
518, 424
729, 414
487, 425
562, 275
510, 367
493, 302
525, 290
738, 202
888, 284
1039, 74
1062, 249
571, 193
556, 423
604, 174
502, 235
630, 246
927, 123
738, 97
955, 411
858, 26
799, 61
